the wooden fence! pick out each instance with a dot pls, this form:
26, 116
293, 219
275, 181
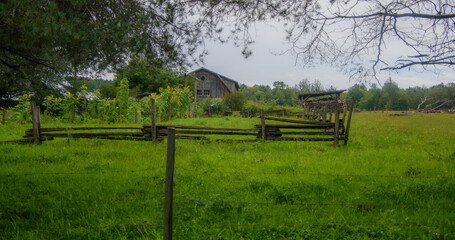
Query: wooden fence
270, 129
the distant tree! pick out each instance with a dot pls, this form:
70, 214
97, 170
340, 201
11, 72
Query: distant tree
356, 93
390, 95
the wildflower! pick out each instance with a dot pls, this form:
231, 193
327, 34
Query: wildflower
139, 111
24, 96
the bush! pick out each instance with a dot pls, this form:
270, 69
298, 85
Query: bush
234, 101
214, 106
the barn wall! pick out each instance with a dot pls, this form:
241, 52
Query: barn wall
212, 83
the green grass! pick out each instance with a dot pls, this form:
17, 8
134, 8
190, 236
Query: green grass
394, 180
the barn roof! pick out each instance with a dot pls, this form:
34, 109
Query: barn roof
222, 78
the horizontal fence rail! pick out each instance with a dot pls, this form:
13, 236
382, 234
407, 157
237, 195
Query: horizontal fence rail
318, 128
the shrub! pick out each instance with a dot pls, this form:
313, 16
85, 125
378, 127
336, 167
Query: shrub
214, 106
234, 101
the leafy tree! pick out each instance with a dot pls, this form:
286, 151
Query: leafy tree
356, 93
351, 34
42, 41
144, 76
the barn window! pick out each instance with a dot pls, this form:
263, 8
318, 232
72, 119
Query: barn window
206, 92
199, 92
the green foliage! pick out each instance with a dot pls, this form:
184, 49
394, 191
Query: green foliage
53, 106
122, 100
43, 40
148, 77
397, 185
214, 106
234, 101
391, 97
281, 94
22, 111
171, 100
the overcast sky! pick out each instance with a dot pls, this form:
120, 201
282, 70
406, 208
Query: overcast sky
265, 67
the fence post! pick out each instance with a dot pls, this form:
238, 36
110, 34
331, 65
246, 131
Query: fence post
36, 123
153, 116
263, 125
168, 189
337, 127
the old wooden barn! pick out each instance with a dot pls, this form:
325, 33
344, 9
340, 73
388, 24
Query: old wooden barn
213, 85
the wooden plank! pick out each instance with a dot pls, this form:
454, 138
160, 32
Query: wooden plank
302, 139
306, 133
169, 185
42, 130
203, 128
236, 140
75, 135
216, 132
36, 123
298, 121
296, 126
337, 128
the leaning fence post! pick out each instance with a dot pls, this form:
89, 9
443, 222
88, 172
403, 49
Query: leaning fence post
168, 189
263, 125
36, 123
153, 116
337, 128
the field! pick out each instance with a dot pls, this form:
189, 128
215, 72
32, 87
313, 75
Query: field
395, 179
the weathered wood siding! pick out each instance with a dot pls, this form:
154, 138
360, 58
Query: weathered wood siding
213, 85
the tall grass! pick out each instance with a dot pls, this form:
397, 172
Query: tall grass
395, 179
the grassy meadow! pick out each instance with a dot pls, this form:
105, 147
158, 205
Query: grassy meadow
394, 180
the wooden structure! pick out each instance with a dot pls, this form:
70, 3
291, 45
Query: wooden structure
213, 84
326, 107
276, 129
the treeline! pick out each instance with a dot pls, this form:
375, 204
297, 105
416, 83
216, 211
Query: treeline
281, 94
387, 97
391, 97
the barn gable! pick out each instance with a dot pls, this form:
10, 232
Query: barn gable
213, 84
